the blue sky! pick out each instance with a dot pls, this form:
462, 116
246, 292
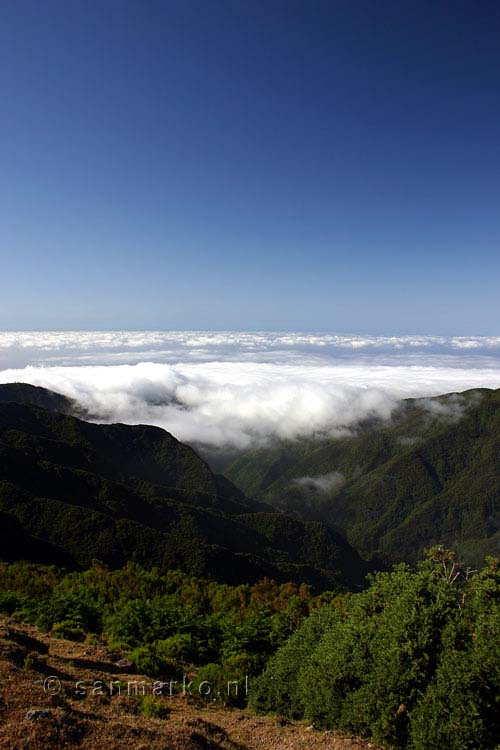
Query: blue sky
250, 165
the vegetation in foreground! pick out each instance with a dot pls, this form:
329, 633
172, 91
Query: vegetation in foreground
413, 662
168, 625
35, 719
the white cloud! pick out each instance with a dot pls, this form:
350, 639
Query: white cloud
408, 441
321, 484
238, 388
452, 409
107, 347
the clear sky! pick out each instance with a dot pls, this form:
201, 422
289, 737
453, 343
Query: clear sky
250, 165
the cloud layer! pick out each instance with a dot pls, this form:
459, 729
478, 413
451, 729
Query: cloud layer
321, 484
108, 347
236, 389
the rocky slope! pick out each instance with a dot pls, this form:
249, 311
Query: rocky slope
41, 707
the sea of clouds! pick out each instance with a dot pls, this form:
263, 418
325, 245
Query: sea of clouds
237, 389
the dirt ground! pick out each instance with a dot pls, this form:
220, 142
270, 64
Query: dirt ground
63, 695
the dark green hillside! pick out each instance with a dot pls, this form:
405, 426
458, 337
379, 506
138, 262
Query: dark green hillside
72, 491
431, 475
13, 539
23, 393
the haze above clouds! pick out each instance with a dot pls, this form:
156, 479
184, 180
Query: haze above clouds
241, 388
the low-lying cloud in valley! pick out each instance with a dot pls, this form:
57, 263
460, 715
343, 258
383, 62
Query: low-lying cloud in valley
322, 484
240, 388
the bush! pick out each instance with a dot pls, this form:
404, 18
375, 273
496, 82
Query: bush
277, 690
179, 647
460, 708
9, 602
76, 606
153, 707
149, 660
166, 620
130, 624
68, 629
31, 660
413, 662
210, 682
226, 683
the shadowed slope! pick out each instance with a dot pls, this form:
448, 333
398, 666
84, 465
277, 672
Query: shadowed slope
120, 492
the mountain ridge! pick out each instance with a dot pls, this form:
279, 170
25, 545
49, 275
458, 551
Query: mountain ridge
120, 492
429, 475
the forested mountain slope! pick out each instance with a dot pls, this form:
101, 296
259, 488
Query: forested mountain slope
430, 475
72, 491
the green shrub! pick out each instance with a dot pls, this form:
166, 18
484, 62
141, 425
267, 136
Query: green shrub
460, 709
413, 662
68, 629
129, 624
31, 660
10, 601
153, 707
76, 606
167, 620
179, 647
277, 690
148, 660
210, 682
226, 683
